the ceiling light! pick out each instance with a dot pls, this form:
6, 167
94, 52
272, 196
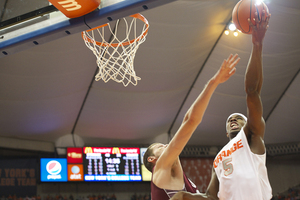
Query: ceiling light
232, 27
258, 2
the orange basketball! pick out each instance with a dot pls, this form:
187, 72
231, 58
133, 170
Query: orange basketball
245, 9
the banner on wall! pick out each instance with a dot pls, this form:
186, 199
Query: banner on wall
18, 176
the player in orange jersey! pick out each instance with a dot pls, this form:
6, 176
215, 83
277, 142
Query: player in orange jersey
239, 169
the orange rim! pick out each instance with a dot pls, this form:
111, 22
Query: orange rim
138, 16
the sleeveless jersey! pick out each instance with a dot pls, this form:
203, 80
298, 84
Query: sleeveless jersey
164, 194
242, 174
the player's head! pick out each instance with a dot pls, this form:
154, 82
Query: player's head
234, 123
152, 154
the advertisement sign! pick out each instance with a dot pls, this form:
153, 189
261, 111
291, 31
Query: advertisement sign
54, 170
75, 172
74, 155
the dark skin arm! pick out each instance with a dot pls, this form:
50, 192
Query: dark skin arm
255, 126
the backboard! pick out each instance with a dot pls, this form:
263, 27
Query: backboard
38, 22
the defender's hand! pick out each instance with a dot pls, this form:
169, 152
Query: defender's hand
227, 68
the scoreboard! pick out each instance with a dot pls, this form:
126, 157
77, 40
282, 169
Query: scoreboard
94, 164
111, 164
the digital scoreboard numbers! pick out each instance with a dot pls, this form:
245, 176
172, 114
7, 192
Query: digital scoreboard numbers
112, 164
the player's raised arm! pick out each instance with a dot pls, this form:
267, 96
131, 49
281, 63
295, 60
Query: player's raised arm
254, 80
194, 115
163, 159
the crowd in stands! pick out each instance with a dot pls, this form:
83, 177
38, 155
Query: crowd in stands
141, 197
62, 197
76, 197
292, 193
81, 197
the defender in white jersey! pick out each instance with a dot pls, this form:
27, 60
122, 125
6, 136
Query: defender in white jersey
239, 171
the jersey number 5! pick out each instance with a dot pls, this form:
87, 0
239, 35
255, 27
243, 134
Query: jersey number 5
228, 167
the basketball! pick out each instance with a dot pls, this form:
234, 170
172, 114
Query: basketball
245, 9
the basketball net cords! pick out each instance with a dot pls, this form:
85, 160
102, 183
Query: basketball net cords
107, 69
116, 72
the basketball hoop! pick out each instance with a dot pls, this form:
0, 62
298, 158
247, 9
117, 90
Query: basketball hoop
115, 56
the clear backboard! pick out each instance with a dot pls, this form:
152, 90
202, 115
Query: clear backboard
24, 24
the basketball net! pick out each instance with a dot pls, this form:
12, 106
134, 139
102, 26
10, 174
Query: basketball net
115, 57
